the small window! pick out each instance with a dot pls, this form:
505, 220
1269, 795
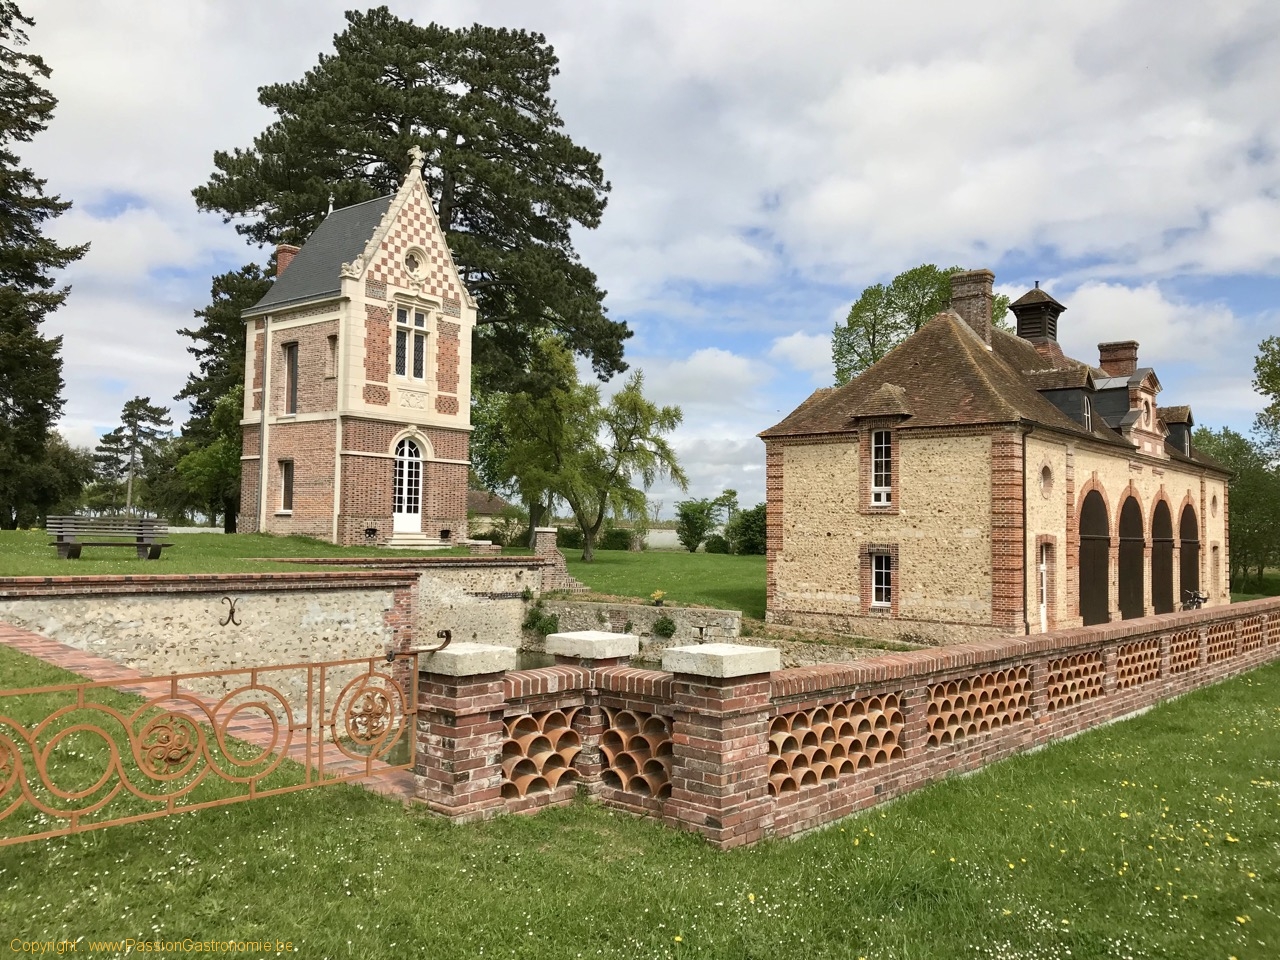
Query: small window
286, 486
331, 365
1088, 415
881, 467
290, 378
881, 580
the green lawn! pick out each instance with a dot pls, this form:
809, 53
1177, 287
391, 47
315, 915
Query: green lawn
709, 579
26, 553
1152, 838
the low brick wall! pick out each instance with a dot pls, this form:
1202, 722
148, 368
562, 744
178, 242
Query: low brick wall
741, 758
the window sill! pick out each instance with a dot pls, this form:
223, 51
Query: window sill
286, 416
284, 513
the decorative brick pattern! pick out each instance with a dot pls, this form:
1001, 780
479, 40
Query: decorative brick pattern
1007, 537
773, 518
1184, 651
1138, 663
415, 226
636, 749
375, 289
1253, 634
809, 747
447, 405
538, 754
973, 705
452, 308
1073, 680
1221, 642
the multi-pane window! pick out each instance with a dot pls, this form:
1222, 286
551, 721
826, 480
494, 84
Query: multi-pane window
881, 467
411, 343
290, 378
407, 491
881, 580
286, 485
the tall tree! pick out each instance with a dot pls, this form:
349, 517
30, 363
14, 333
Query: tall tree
211, 472
134, 442
30, 367
883, 316
219, 347
507, 182
1266, 380
1255, 501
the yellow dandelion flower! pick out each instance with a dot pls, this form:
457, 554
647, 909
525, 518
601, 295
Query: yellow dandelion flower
678, 938
1006, 912
751, 898
1244, 919
1123, 815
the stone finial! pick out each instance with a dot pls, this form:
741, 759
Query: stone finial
416, 157
721, 660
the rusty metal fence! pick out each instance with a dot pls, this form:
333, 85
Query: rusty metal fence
82, 756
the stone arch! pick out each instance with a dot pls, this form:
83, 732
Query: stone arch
1162, 552
1189, 545
1095, 556
1133, 539
417, 436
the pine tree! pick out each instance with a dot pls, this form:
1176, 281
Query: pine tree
125, 450
30, 367
507, 182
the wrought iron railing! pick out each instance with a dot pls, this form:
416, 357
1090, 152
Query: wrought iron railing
82, 756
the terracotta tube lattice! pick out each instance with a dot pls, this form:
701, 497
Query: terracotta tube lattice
1184, 651
1073, 680
636, 749
989, 701
811, 747
1252, 634
1221, 644
538, 753
1138, 663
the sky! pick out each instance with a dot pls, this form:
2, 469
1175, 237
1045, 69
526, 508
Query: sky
768, 162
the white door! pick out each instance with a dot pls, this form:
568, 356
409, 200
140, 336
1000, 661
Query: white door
1044, 588
406, 496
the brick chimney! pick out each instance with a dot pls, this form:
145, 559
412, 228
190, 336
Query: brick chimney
971, 296
1118, 359
285, 252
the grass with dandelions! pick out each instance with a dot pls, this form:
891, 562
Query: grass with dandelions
1158, 837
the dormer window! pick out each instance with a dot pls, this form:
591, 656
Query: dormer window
1088, 415
411, 343
881, 468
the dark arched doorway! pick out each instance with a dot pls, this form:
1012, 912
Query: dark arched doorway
1189, 534
1132, 541
1095, 546
1161, 558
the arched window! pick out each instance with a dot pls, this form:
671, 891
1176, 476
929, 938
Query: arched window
1095, 545
1189, 534
406, 493
1132, 540
1161, 558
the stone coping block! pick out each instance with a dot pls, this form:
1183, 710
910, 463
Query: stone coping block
468, 660
593, 644
721, 660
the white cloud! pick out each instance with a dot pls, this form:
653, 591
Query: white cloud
810, 352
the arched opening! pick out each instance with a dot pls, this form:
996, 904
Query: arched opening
1095, 545
1132, 540
406, 493
1189, 534
1161, 558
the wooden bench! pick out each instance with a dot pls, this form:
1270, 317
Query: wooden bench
71, 534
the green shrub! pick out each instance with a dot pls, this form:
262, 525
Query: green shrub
618, 538
746, 531
569, 538
664, 627
541, 622
694, 520
717, 544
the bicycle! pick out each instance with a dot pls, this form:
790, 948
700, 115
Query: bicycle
1194, 599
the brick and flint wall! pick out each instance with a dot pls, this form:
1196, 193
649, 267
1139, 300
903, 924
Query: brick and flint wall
742, 753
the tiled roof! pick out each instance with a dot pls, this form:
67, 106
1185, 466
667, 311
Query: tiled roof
943, 375
1174, 414
313, 273
1035, 295
485, 504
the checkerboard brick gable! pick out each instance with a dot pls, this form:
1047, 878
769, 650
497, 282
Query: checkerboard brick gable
368, 271
995, 442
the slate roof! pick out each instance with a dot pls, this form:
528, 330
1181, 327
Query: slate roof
313, 274
942, 376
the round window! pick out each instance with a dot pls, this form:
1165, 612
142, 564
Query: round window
414, 261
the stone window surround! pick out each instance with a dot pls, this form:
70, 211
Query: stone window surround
412, 331
866, 579
286, 487
1051, 581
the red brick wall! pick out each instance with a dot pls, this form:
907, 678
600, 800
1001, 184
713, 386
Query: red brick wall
317, 392
248, 522
773, 517
1007, 538
259, 340
310, 445
447, 357
377, 353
